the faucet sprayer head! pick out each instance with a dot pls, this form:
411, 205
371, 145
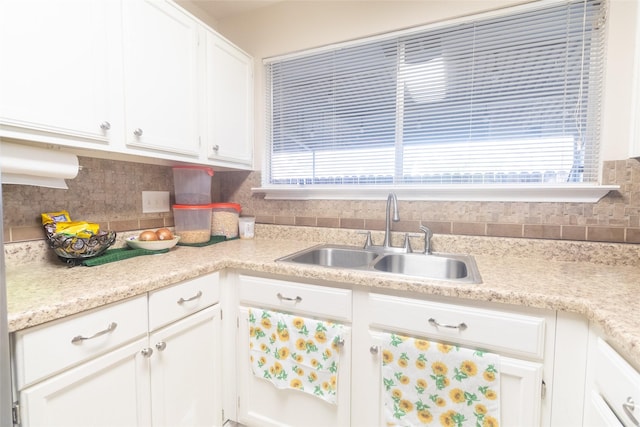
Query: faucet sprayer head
396, 213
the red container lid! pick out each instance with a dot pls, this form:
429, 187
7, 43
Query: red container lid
226, 206
192, 207
205, 169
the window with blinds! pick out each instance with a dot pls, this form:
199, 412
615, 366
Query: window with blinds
514, 97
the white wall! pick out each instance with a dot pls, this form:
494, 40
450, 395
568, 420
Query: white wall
291, 26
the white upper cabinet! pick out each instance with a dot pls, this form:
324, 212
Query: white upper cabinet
229, 102
139, 78
161, 54
58, 80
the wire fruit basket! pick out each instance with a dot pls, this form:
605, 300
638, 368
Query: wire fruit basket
73, 249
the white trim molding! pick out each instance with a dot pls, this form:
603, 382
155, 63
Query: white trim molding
557, 193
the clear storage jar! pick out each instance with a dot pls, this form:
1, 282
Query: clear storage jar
224, 219
192, 223
246, 227
192, 185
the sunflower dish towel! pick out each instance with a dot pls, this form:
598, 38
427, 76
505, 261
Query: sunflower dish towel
429, 383
295, 352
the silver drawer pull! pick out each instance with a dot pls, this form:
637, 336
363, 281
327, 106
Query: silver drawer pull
79, 338
461, 326
196, 296
374, 349
629, 406
283, 298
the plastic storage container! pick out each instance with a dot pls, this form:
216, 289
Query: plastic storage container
224, 219
192, 223
246, 227
192, 185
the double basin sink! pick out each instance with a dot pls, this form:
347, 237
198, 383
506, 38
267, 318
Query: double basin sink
437, 266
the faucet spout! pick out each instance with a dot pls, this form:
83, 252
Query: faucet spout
392, 201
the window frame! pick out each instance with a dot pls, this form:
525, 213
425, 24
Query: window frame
544, 192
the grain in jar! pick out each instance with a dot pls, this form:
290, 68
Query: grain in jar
192, 223
224, 219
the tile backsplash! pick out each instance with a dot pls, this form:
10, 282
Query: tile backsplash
615, 218
109, 192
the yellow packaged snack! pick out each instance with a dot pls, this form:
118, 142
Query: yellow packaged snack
81, 229
53, 217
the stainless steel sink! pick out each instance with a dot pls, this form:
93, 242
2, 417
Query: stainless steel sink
447, 267
435, 266
333, 256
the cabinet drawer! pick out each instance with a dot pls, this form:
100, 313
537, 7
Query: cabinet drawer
492, 330
598, 413
175, 302
618, 383
44, 350
329, 303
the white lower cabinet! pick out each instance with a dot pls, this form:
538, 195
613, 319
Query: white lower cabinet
109, 367
260, 403
522, 339
598, 413
185, 380
612, 395
504, 333
111, 390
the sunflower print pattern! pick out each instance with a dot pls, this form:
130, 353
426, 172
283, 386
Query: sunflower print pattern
294, 352
433, 384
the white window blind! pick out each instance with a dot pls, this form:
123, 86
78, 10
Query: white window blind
514, 97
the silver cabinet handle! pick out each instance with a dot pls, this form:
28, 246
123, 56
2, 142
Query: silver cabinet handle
374, 349
146, 352
105, 125
79, 338
215, 148
629, 406
137, 132
160, 346
461, 326
283, 298
196, 296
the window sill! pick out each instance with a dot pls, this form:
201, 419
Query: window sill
574, 193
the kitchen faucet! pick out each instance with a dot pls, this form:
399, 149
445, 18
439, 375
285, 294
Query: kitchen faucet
392, 202
396, 217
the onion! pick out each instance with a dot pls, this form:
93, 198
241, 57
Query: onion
147, 236
164, 234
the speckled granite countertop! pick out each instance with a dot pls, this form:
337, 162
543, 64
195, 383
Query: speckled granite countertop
599, 281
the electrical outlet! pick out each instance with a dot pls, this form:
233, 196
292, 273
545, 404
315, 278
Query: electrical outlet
155, 201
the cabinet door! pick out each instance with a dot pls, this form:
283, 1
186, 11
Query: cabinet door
111, 390
229, 102
160, 66
58, 80
614, 380
520, 385
262, 404
597, 412
185, 372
